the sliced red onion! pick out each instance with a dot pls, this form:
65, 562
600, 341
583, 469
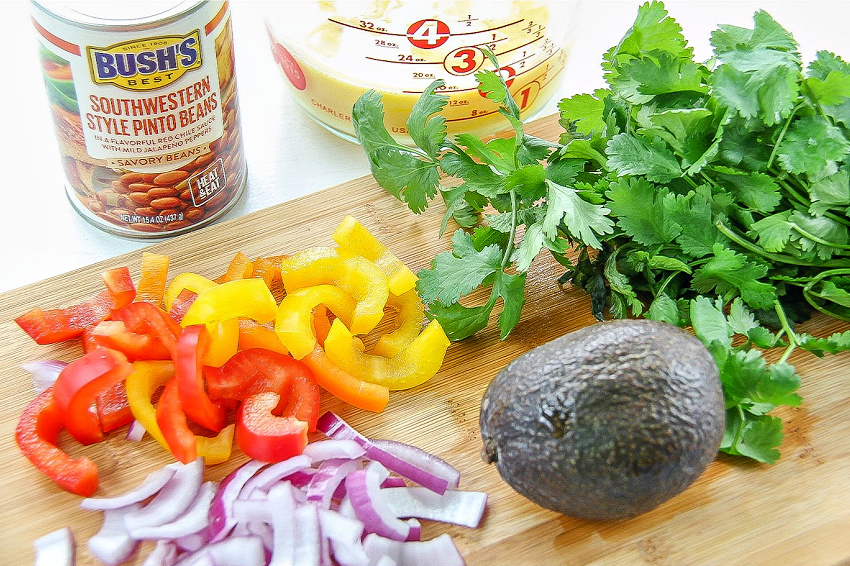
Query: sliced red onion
432, 476
136, 431
44, 372
439, 550
330, 475
421, 458
172, 500
415, 530
308, 540
464, 508
149, 487
57, 548
282, 502
220, 511
337, 527
232, 551
349, 554
194, 519
394, 481
163, 554
386, 561
363, 488
265, 479
333, 449
193, 542
252, 511
112, 544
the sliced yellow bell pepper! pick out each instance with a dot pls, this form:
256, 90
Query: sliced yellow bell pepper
355, 275
343, 385
224, 341
191, 281
354, 239
301, 259
294, 324
255, 335
409, 319
243, 298
414, 365
142, 384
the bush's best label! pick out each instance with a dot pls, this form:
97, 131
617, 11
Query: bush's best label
145, 64
147, 118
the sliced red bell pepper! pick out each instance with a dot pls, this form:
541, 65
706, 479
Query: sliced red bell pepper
181, 304
113, 407
173, 424
88, 341
264, 436
192, 347
154, 274
78, 386
257, 370
114, 334
146, 318
120, 285
37, 434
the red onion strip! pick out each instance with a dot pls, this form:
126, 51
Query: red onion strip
192, 520
57, 548
464, 508
44, 372
363, 487
112, 544
172, 500
152, 484
220, 511
163, 554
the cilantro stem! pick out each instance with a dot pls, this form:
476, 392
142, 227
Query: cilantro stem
506, 259
782, 134
740, 432
821, 241
789, 332
779, 258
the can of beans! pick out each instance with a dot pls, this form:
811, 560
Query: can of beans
143, 95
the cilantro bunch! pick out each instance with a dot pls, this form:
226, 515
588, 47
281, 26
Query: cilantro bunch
709, 194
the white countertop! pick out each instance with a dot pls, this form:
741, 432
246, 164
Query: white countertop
288, 154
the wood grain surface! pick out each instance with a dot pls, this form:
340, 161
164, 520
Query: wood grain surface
796, 512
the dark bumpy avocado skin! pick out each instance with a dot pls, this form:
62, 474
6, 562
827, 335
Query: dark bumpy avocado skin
606, 422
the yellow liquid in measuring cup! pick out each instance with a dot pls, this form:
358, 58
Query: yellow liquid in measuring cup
335, 51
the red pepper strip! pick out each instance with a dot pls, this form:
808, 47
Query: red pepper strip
174, 426
343, 385
88, 341
114, 334
37, 434
257, 370
154, 274
120, 285
79, 384
262, 435
182, 303
145, 318
113, 408
192, 347
56, 325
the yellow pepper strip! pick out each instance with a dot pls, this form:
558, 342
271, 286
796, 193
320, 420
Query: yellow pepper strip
255, 335
240, 268
354, 239
142, 384
224, 341
414, 365
242, 298
301, 259
191, 281
409, 318
355, 275
154, 274
294, 324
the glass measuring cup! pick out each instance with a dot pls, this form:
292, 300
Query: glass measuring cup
333, 52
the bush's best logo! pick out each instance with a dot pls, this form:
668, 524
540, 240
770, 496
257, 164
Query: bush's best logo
145, 64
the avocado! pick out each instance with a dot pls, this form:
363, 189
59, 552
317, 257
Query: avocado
606, 422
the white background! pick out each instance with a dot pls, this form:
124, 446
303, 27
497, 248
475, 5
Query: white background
288, 155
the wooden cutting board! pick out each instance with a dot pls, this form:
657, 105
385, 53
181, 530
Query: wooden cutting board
796, 512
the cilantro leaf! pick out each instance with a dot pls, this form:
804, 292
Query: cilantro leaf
730, 274
511, 288
637, 206
426, 127
752, 436
584, 113
631, 155
581, 219
653, 30
458, 272
813, 146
